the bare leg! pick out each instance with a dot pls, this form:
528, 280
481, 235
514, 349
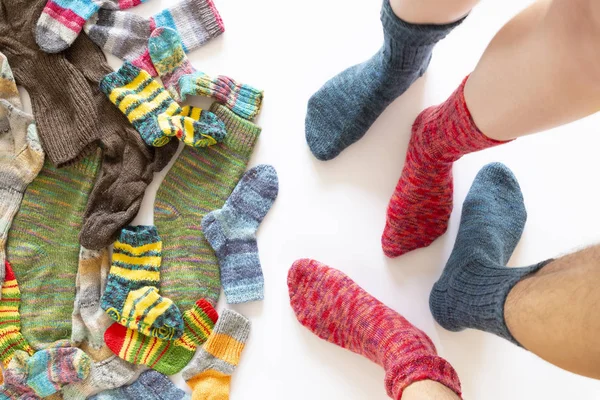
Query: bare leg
432, 11
541, 70
428, 390
554, 312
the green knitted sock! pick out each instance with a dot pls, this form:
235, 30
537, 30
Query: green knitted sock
200, 181
43, 248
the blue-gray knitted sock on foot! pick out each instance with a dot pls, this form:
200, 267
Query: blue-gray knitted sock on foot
342, 111
231, 232
476, 281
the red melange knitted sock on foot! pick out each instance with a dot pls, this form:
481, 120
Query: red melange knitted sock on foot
420, 207
336, 309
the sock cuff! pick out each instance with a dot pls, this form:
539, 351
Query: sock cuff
140, 235
241, 134
231, 324
245, 292
123, 76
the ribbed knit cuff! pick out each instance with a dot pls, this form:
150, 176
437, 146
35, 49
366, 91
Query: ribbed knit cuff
139, 235
210, 19
241, 134
123, 76
245, 292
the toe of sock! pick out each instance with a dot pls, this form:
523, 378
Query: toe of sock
49, 41
301, 276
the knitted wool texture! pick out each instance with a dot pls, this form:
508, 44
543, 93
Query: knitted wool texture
199, 182
209, 373
104, 375
231, 231
126, 35
154, 113
336, 309
43, 249
165, 356
181, 78
131, 297
150, 385
74, 117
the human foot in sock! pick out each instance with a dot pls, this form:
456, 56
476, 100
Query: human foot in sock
182, 80
231, 232
342, 111
420, 207
336, 309
131, 297
165, 356
475, 283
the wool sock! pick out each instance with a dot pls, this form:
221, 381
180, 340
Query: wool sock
15, 379
62, 21
420, 207
165, 356
154, 113
181, 78
125, 35
336, 309
476, 281
231, 232
11, 338
209, 373
151, 385
131, 297
104, 375
341, 112
198, 183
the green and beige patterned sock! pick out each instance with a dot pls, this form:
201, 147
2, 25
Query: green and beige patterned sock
200, 181
44, 251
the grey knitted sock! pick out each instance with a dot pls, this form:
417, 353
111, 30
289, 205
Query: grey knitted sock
231, 232
475, 283
151, 385
342, 111
104, 375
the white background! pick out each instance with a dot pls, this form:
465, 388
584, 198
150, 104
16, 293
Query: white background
335, 211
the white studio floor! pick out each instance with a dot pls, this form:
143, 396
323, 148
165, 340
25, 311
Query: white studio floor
335, 211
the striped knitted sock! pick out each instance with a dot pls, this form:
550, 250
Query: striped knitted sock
198, 183
181, 78
131, 297
336, 309
154, 113
231, 231
209, 373
165, 356
126, 35
150, 385
44, 251
62, 20
15, 379
11, 338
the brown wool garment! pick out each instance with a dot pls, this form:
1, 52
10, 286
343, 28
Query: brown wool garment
73, 118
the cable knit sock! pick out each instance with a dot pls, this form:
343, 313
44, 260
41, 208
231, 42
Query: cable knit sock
131, 297
209, 373
475, 284
231, 232
342, 111
150, 385
420, 207
165, 356
125, 35
336, 309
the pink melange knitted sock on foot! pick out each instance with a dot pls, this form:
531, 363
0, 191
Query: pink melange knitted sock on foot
336, 309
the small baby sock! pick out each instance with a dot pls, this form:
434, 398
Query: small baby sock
104, 375
151, 385
165, 356
154, 113
336, 309
475, 283
131, 297
62, 21
125, 35
209, 373
420, 207
181, 78
342, 111
231, 232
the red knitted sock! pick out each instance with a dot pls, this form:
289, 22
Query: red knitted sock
336, 309
420, 207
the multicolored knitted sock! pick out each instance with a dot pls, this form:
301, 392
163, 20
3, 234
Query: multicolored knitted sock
15, 379
43, 248
154, 113
62, 21
165, 356
126, 35
131, 297
150, 385
209, 373
420, 207
11, 338
198, 183
104, 375
336, 309
231, 232
181, 78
